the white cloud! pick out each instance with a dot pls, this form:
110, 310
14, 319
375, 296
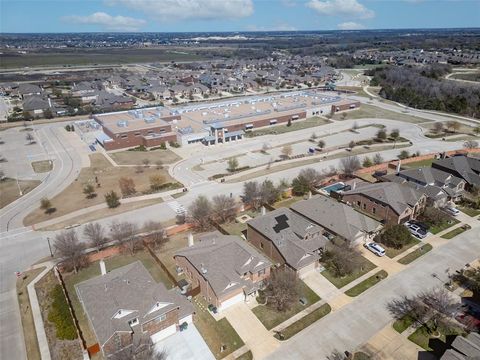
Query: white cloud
108, 22
276, 27
171, 10
350, 25
349, 8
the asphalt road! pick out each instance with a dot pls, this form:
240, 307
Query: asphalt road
355, 323
20, 246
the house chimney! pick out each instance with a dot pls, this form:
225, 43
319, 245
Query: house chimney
264, 211
399, 165
190, 239
354, 185
309, 194
103, 268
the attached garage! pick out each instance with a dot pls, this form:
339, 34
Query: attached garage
232, 301
188, 319
162, 334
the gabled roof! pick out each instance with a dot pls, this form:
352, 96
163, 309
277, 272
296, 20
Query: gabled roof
336, 217
398, 196
430, 176
223, 259
466, 167
295, 237
35, 102
129, 288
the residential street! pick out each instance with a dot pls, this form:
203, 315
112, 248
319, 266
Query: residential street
358, 321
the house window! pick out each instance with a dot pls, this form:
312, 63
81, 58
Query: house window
124, 136
137, 134
374, 210
162, 317
359, 203
261, 245
133, 322
364, 206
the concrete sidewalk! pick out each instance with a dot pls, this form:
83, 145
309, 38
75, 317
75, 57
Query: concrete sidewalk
36, 312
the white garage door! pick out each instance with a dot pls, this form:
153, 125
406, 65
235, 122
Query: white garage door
306, 270
232, 301
162, 334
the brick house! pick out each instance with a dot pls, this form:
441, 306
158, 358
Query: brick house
288, 239
390, 202
226, 268
464, 167
126, 307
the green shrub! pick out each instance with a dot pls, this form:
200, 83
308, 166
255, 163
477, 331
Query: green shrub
60, 315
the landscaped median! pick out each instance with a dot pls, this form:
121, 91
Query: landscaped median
402, 324
407, 259
366, 284
455, 232
303, 323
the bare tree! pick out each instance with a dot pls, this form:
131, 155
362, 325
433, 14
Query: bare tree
156, 182
351, 144
30, 138
69, 248
287, 151
437, 127
156, 232
282, 290
453, 125
377, 159
350, 164
251, 194
321, 144
470, 144
127, 186
46, 205
200, 213
224, 208
342, 258
232, 164
96, 234
89, 191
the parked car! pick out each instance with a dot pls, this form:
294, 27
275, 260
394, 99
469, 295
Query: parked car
421, 225
451, 210
417, 231
375, 248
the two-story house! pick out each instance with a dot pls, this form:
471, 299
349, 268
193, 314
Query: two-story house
126, 305
225, 267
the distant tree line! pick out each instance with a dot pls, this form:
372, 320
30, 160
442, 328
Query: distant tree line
425, 87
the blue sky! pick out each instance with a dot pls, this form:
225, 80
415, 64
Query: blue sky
233, 15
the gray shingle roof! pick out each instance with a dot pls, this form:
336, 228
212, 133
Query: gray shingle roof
295, 237
129, 288
466, 347
336, 217
398, 196
466, 167
224, 259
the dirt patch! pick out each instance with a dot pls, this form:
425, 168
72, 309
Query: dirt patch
29, 333
59, 349
100, 172
366, 111
138, 157
42, 166
10, 192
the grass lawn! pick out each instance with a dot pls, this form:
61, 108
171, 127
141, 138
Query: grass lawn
9, 189
371, 111
367, 283
42, 166
435, 229
73, 198
340, 282
421, 336
392, 252
271, 317
361, 356
216, 333
29, 333
137, 157
402, 324
287, 202
236, 228
418, 164
305, 321
166, 252
246, 356
283, 128
94, 270
455, 232
469, 211
407, 259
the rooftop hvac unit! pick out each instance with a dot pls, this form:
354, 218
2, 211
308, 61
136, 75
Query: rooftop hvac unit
122, 123
150, 120
131, 112
204, 113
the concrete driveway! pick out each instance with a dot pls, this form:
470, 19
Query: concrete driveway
255, 336
185, 345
